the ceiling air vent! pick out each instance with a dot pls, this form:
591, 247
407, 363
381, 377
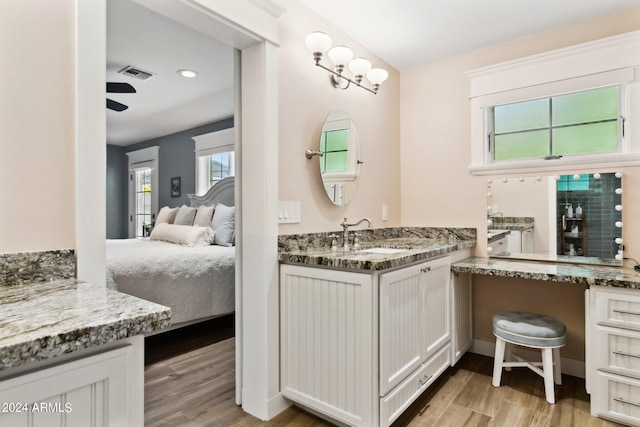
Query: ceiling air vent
136, 73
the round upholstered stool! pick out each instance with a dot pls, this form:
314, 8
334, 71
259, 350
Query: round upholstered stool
529, 330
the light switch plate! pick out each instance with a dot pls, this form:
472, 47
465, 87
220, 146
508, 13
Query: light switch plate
288, 212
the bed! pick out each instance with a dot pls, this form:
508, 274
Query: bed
198, 283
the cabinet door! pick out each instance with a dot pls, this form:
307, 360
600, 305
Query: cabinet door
515, 241
400, 329
414, 318
98, 390
462, 316
498, 247
527, 240
327, 330
435, 305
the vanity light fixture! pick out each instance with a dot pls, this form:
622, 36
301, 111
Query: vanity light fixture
341, 56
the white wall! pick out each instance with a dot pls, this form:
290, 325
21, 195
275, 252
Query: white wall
37, 160
305, 99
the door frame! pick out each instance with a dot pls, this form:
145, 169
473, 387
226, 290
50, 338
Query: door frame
251, 27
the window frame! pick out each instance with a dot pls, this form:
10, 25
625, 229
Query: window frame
206, 145
622, 143
603, 62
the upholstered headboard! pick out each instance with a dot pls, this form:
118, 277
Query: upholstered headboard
221, 192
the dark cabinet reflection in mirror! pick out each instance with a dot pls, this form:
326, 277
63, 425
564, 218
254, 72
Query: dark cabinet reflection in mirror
576, 218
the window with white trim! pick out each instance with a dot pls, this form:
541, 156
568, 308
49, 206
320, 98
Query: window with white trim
542, 80
214, 167
584, 122
215, 158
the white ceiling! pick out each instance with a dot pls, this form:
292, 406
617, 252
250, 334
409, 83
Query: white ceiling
408, 33
404, 33
166, 103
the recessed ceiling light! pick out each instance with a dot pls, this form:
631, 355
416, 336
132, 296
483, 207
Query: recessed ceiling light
187, 73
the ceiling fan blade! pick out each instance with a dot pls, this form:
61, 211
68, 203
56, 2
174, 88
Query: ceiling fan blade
120, 88
115, 106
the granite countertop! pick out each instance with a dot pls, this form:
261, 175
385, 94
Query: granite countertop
43, 320
413, 249
494, 235
511, 222
515, 226
589, 275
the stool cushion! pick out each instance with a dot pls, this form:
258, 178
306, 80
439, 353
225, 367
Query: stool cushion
529, 329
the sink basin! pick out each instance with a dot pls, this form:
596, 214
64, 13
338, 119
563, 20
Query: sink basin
385, 251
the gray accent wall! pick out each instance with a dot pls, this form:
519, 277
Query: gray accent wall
117, 204
176, 159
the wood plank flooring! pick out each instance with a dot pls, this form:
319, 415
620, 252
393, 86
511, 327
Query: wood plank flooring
190, 382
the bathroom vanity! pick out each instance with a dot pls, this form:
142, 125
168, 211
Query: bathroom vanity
365, 332
612, 326
72, 354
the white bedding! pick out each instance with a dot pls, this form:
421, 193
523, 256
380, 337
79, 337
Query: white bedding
196, 282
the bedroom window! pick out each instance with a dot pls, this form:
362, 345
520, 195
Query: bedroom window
586, 122
215, 158
214, 167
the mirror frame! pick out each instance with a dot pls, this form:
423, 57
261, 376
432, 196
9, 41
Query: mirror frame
341, 186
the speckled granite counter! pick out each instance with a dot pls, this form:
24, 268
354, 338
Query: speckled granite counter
415, 244
495, 234
40, 321
572, 273
30, 267
512, 222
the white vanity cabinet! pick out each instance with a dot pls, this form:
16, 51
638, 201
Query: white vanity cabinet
613, 353
359, 348
520, 241
415, 333
499, 246
95, 387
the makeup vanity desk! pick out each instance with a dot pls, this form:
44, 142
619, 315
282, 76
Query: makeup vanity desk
612, 326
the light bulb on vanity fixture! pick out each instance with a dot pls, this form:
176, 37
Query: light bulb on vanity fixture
341, 56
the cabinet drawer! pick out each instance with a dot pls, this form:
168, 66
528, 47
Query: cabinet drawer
399, 399
621, 352
618, 398
619, 309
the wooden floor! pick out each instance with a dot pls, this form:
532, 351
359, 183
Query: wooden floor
190, 382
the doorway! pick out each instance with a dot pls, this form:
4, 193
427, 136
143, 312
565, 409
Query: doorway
160, 119
251, 28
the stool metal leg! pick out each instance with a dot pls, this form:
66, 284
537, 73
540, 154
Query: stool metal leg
557, 370
547, 367
497, 363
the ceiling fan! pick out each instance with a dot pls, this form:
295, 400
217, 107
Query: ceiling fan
113, 87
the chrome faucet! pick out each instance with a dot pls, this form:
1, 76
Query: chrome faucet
345, 230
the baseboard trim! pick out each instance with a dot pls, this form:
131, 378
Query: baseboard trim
276, 405
571, 367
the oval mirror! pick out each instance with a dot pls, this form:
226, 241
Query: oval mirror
340, 157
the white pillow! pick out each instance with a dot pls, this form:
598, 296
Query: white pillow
166, 215
186, 235
203, 216
185, 215
224, 225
